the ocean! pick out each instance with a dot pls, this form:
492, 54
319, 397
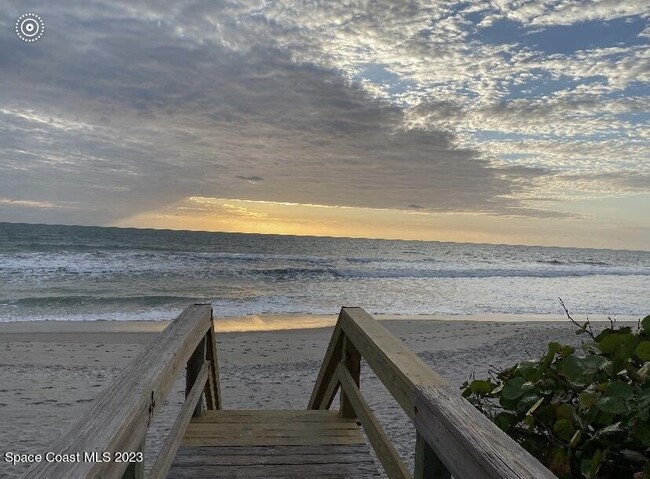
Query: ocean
96, 273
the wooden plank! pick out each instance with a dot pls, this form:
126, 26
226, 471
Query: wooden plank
194, 365
276, 461
394, 364
173, 440
272, 441
306, 461
214, 360
272, 427
274, 451
216, 460
267, 415
226, 428
326, 372
339, 471
388, 456
118, 418
427, 463
351, 359
263, 434
467, 442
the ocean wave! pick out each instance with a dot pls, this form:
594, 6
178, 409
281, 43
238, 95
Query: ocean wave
117, 268
485, 273
592, 262
86, 300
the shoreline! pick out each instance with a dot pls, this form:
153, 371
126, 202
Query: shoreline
272, 322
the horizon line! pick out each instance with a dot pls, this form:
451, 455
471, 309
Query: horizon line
324, 236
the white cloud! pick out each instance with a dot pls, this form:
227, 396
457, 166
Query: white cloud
155, 101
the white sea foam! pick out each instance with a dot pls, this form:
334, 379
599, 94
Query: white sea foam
94, 273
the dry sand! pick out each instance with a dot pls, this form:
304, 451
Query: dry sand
50, 371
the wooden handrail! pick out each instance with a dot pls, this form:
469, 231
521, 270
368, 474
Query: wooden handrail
454, 438
388, 456
117, 420
171, 445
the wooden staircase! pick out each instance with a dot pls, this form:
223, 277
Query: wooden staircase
452, 437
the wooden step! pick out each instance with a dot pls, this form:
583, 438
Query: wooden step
270, 444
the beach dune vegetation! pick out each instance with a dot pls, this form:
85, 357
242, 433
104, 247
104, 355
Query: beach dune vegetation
583, 413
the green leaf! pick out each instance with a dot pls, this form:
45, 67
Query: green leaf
564, 429
480, 386
615, 341
513, 388
526, 402
620, 390
566, 351
559, 461
643, 351
594, 362
510, 404
634, 456
553, 348
587, 399
505, 420
575, 440
621, 359
589, 467
530, 370
611, 404
610, 430
565, 411
642, 432
570, 367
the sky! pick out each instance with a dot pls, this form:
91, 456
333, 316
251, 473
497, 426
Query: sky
521, 122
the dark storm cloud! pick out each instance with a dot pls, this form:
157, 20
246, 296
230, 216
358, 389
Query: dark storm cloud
123, 108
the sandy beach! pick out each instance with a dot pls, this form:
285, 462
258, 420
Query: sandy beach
51, 370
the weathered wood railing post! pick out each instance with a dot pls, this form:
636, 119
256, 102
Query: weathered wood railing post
136, 469
427, 463
194, 365
351, 360
212, 388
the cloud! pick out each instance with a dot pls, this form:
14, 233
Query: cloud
127, 106
131, 107
250, 179
32, 204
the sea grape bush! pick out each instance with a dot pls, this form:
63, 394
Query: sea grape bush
582, 413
